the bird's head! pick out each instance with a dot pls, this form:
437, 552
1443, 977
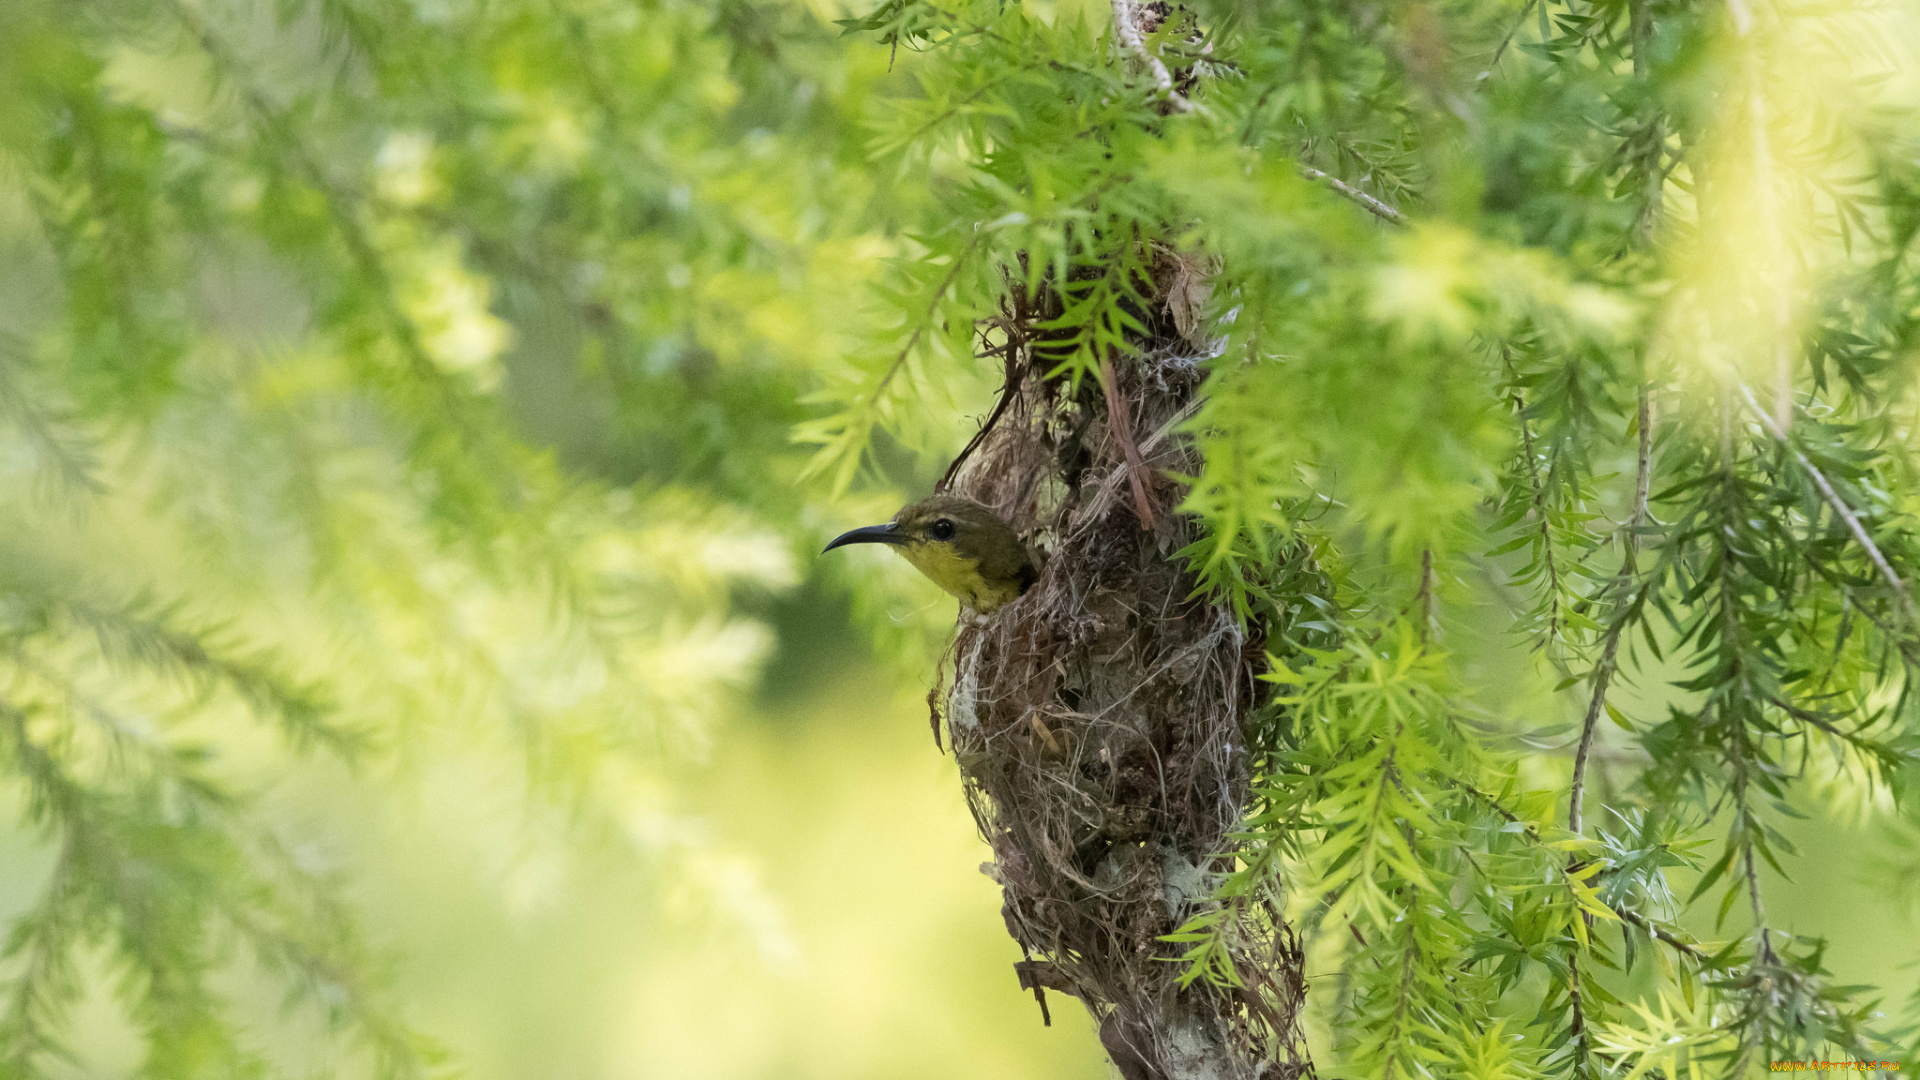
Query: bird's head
961, 546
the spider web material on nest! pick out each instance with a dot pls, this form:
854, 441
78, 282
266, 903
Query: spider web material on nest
1098, 720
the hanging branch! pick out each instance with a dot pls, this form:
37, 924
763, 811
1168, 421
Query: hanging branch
1371, 204
1539, 508
1011, 352
1610, 648
1603, 676
1839, 506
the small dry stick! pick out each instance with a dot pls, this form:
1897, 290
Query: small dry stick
1120, 423
1127, 26
1375, 206
1839, 506
1015, 372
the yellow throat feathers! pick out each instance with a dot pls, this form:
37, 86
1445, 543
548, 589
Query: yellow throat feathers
958, 575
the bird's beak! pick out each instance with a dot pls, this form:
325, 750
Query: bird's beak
872, 534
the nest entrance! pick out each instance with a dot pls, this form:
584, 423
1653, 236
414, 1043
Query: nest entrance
1098, 720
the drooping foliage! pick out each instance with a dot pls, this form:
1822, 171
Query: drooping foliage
1594, 319
385, 390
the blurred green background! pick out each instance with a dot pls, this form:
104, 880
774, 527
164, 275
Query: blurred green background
863, 941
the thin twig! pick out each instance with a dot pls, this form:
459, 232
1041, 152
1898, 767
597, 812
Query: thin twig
1120, 425
1016, 372
1425, 596
1127, 26
1371, 204
1610, 649
1577, 1026
933, 308
1653, 929
1763, 945
1643, 478
1654, 182
1539, 510
1642, 485
1662, 934
1839, 506
1602, 677
1508, 40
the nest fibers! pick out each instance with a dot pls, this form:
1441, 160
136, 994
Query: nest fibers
1098, 720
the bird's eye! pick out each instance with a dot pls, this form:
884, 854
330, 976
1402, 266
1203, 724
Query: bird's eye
942, 529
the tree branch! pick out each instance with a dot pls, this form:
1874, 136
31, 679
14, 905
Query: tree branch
1610, 649
1505, 41
1628, 915
1126, 26
1371, 204
1839, 506
1663, 935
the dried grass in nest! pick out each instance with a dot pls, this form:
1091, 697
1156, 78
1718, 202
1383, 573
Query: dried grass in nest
1098, 719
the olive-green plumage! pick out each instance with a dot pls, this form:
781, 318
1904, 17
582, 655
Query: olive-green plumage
959, 545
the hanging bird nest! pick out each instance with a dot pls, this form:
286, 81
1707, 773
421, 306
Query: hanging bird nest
1099, 720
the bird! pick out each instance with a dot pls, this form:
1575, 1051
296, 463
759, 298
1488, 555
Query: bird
960, 545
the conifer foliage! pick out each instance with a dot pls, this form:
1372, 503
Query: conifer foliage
285, 290
1597, 315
